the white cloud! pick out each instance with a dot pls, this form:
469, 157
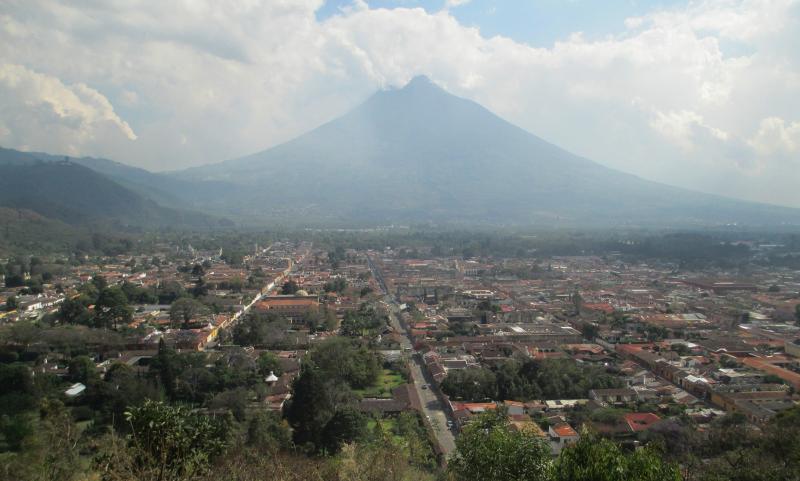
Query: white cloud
776, 136
634, 22
684, 127
42, 112
455, 3
209, 80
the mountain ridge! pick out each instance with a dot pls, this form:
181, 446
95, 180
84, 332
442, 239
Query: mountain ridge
420, 154
66, 191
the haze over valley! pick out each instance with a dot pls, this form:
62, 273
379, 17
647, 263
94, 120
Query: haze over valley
399, 240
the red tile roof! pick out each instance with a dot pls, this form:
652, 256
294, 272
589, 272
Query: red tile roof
641, 421
564, 430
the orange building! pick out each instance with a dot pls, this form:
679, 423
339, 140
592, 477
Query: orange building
294, 308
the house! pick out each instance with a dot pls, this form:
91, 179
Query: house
404, 398
561, 435
758, 406
525, 424
75, 390
640, 421
463, 412
514, 407
613, 396
562, 404
295, 308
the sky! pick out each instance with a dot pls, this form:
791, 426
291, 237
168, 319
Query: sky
703, 94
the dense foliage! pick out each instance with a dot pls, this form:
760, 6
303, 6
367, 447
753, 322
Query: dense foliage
321, 411
526, 380
490, 449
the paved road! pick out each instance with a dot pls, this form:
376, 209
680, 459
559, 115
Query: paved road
431, 406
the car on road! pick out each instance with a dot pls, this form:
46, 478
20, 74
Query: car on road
424, 386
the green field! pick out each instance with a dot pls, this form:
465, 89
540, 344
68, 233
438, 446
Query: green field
387, 381
389, 426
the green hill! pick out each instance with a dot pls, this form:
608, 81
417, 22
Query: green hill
26, 231
77, 195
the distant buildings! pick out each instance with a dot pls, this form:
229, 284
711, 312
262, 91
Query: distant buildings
296, 307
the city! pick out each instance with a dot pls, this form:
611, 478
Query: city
633, 348
399, 240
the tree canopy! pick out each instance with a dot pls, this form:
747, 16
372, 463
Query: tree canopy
112, 309
186, 309
530, 379
489, 450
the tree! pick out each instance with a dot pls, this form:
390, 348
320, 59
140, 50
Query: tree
364, 322
268, 363
234, 400
310, 407
590, 330
260, 329
11, 303
233, 257
33, 286
236, 284
737, 452
345, 426
165, 366
348, 361
355, 325
15, 429
336, 256
476, 384
60, 435
266, 430
595, 459
200, 288
316, 398
170, 442
489, 450
99, 282
781, 441
679, 437
112, 308
139, 294
336, 285
15, 280
198, 270
186, 309
120, 389
17, 389
745, 318
577, 301
74, 310
81, 369
289, 288
532, 379
797, 313
169, 291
